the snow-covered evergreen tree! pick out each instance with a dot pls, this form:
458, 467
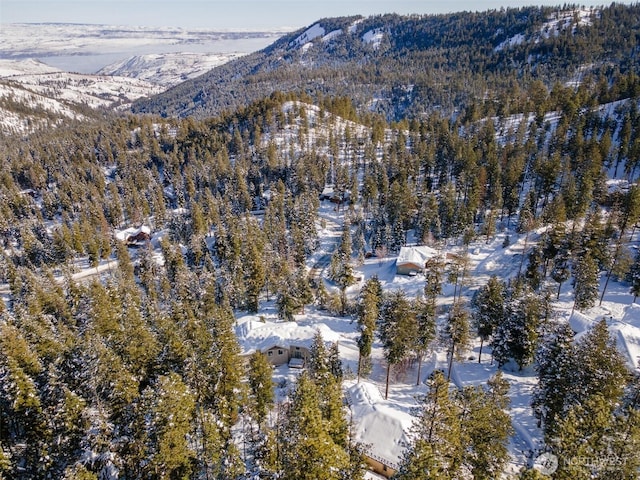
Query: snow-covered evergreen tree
556, 365
585, 281
488, 309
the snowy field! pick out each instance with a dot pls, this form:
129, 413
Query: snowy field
89, 48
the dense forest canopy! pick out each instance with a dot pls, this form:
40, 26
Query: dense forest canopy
424, 63
134, 371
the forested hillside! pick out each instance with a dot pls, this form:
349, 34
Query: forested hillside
118, 354
407, 66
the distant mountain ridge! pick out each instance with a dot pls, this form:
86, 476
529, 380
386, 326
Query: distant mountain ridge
168, 69
41, 65
403, 66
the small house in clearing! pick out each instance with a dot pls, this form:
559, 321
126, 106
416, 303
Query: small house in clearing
294, 355
412, 260
335, 196
284, 343
134, 237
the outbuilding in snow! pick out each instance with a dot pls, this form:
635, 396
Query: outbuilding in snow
134, 237
412, 260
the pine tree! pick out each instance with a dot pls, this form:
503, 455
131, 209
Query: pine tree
630, 212
65, 411
341, 268
426, 330
533, 273
22, 416
225, 376
325, 370
78, 472
318, 362
397, 329
368, 312
486, 428
255, 276
488, 313
426, 310
603, 369
526, 223
171, 411
634, 277
627, 428
582, 439
457, 274
531, 474
517, 336
332, 408
592, 425
307, 451
435, 451
287, 304
302, 289
260, 377
527, 315
556, 367
594, 239
457, 334
561, 272
335, 364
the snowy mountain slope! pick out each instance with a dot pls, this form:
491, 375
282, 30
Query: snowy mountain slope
556, 23
22, 111
33, 94
385, 64
133, 62
167, 69
24, 67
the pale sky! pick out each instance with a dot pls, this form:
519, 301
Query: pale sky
230, 14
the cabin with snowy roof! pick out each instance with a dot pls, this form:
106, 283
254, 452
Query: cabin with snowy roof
380, 425
134, 237
413, 260
284, 343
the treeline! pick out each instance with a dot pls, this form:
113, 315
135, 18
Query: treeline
66, 193
444, 63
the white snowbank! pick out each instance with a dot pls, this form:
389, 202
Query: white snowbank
309, 35
626, 331
331, 35
374, 37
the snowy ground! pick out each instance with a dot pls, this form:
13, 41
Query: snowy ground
486, 259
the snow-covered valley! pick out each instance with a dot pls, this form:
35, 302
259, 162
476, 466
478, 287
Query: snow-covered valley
90, 48
50, 72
